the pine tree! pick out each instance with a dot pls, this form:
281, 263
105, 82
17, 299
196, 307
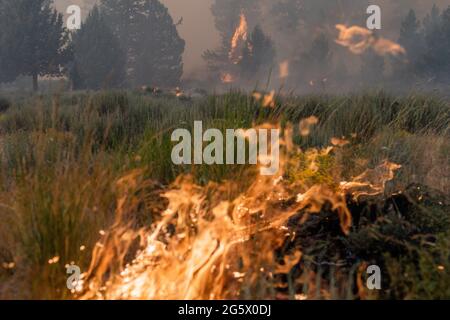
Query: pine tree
149, 36
33, 40
432, 20
444, 74
313, 66
227, 15
99, 62
257, 56
411, 38
436, 64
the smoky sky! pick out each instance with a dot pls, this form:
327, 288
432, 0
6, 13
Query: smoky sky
197, 29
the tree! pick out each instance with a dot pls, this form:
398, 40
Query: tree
258, 55
314, 65
432, 21
436, 65
99, 62
228, 15
150, 39
411, 38
372, 69
33, 41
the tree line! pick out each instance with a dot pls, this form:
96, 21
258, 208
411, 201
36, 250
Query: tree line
121, 43
302, 32
133, 43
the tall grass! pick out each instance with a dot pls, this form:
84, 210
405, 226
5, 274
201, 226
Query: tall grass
61, 156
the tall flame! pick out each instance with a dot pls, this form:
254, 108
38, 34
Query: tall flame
240, 35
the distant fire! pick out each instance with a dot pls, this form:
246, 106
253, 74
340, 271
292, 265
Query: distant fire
358, 40
227, 78
267, 100
237, 43
284, 69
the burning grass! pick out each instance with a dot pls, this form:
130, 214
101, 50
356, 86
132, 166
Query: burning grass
364, 181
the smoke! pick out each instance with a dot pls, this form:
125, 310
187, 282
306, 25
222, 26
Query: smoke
294, 25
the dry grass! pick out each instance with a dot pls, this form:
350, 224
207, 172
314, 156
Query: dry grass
61, 157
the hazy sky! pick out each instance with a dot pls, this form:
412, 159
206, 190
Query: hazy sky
197, 30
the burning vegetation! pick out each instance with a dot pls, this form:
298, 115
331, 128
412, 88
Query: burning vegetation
206, 247
87, 181
239, 38
348, 194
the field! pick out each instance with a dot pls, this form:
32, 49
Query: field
87, 179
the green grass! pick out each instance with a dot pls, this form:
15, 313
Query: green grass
62, 155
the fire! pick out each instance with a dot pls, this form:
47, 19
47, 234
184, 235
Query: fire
384, 47
267, 100
207, 241
238, 40
358, 40
53, 260
240, 35
284, 69
340, 142
372, 182
306, 124
227, 78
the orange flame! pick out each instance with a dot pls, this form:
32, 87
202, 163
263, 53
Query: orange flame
358, 40
284, 69
239, 36
267, 100
207, 240
227, 78
306, 124
372, 182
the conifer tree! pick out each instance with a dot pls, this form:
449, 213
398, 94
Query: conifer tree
150, 39
33, 40
99, 61
257, 56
